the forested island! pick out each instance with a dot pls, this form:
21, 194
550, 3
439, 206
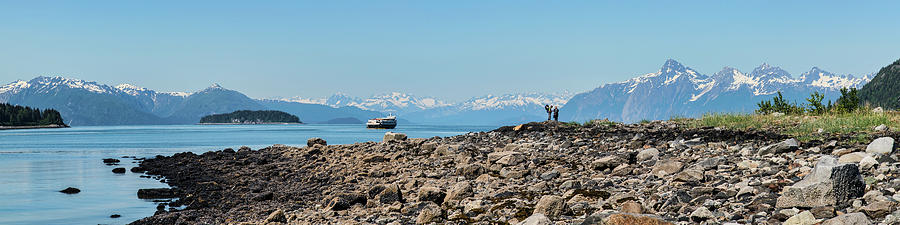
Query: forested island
21, 117
251, 117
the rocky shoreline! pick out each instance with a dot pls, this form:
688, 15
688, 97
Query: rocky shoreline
540, 173
33, 127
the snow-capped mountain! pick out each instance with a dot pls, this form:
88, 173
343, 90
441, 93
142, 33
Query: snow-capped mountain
394, 102
504, 109
90, 103
677, 90
513, 101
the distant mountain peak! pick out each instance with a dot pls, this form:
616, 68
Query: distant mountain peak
215, 86
672, 65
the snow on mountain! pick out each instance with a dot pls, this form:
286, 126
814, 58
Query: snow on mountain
14, 87
45, 84
677, 90
394, 102
299, 99
508, 101
178, 93
132, 89
819, 78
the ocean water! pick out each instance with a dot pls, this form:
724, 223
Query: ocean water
36, 164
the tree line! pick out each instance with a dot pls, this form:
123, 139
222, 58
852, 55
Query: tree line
248, 116
15, 115
848, 102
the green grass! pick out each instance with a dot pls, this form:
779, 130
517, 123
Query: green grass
804, 127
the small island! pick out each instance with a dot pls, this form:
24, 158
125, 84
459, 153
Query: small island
251, 117
24, 117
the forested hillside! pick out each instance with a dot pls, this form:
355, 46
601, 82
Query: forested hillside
14, 115
884, 89
251, 117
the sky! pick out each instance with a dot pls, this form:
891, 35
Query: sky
452, 50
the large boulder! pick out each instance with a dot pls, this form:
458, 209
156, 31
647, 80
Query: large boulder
610, 161
884, 145
459, 191
804, 218
853, 157
849, 219
394, 137
830, 183
315, 141
551, 205
344, 201
788, 145
431, 194
536, 219
609, 218
431, 213
390, 194
666, 167
648, 154
879, 209
507, 158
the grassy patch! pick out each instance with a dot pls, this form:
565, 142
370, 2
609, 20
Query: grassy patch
804, 127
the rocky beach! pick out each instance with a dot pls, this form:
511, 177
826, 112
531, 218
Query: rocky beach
660, 172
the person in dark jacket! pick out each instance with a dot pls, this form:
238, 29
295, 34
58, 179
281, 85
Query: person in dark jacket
555, 113
548, 110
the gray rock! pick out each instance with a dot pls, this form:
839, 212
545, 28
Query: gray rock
570, 184
550, 175
612, 218
879, 209
608, 162
884, 145
689, 175
647, 154
345, 201
701, 214
277, 216
849, 219
853, 157
867, 163
666, 167
788, 145
881, 127
429, 214
551, 205
459, 191
506, 158
431, 194
390, 194
536, 219
314, 141
803, 218
828, 184
394, 137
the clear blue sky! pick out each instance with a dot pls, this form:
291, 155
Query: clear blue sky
447, 49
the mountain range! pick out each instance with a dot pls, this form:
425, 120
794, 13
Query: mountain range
90, 103
677, 90
674, 90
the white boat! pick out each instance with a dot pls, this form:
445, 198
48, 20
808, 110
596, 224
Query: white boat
388, 122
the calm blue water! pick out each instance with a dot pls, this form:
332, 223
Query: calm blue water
36, 164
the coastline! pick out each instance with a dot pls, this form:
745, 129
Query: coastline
248, 123
32, 127
659, 172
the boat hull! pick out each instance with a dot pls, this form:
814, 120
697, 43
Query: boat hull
381, 126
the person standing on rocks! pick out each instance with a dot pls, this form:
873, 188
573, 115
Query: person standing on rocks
556, 113
547, 109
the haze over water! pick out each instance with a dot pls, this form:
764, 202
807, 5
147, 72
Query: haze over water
36, 164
